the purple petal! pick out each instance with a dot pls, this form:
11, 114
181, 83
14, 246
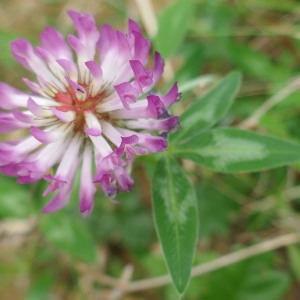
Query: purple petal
127, 93
68, 65
128, 140
75, 44
93, 131
87, 203
43, 136
158, 67
155, 105
95, 70
43, 54
87, 187
123, 45
154, 109
108, 184
87, 30
13, 169
22, 50
32, 85
57, 202
124, 180
141, 48
54, 185
65, 117
92, 122
8, 123
76, 87
153, 143
144, 77
23, 53
111, 173
23, 117
11, 98
171, 96
133, 26
128, 146
164, 125
85, 25
33, 107
53, 41
108, 40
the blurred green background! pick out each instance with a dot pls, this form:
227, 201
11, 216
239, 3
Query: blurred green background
63, 256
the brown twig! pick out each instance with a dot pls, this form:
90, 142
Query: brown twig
254, 119
221, 262
118, 292
14, 232
148, 16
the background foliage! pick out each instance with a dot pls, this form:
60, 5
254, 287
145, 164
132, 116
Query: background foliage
62, 256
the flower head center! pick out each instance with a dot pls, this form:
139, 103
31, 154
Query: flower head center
75, 100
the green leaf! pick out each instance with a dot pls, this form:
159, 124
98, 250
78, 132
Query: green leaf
236, 150
253, 279
200, 80
294, 260
41, 286
175, 215
173, 25
129, 223
14, 198
195, 58
255, 63
214, 210
287, 5
209, 109
69, 235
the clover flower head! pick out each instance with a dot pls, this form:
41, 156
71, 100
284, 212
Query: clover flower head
92, 110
